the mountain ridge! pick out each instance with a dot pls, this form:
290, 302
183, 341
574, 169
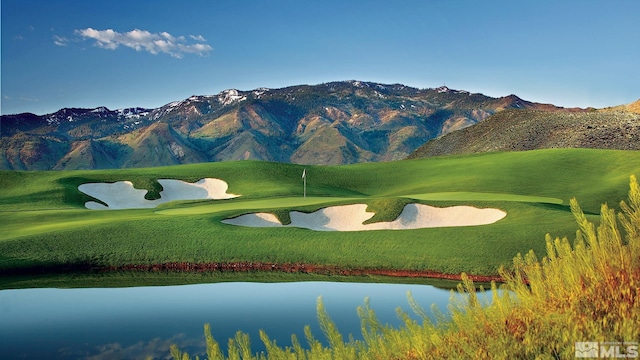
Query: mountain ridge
332, 123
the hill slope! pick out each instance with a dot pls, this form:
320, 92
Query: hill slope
520, 130
332, 123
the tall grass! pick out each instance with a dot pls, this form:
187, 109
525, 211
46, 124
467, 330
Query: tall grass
586, 292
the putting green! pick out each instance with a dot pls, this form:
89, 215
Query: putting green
479, 196
271, 203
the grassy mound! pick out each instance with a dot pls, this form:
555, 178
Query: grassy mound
386, 209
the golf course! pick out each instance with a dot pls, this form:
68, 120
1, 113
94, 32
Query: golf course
47, 224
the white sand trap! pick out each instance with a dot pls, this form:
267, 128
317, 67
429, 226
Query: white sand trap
122, 194
351, 218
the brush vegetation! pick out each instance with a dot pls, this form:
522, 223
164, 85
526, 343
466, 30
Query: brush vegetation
522, 130
588, 291
44, 225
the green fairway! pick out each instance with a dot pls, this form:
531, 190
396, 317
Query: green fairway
43, 221
471, 196
286, 202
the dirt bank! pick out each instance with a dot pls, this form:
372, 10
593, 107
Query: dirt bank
296, 268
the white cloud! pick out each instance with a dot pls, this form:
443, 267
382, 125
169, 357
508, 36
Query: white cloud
60, 40
142, 40
20, 98
156, 348
197, 38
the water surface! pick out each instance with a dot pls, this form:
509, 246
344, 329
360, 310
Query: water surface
134, 323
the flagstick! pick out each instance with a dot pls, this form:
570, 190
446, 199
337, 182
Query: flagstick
304, 180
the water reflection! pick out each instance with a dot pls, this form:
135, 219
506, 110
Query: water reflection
116, 323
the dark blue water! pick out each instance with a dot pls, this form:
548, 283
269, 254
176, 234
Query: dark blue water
135, 323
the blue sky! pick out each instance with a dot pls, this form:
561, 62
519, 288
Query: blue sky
123, 53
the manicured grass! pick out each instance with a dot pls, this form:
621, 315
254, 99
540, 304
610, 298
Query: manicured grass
43, 220
471, 196
133, 238
285, 202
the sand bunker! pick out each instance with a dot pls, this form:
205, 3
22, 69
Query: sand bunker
122, 194
351, 218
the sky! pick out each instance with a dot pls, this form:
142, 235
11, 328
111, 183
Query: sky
147, 53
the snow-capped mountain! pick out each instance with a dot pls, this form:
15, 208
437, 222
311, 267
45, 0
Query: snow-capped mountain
332, 123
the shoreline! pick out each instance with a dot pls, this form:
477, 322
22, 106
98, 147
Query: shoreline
233, 267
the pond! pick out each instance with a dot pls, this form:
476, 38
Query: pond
138, 322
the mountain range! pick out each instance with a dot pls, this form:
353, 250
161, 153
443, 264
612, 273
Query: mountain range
333, 123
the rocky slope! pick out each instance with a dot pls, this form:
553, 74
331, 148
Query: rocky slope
518, 130
332, 123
